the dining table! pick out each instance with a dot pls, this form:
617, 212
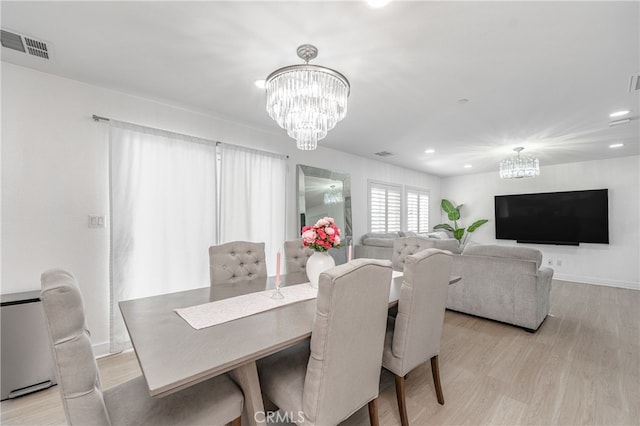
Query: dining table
173, 355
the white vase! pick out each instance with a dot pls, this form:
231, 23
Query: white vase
319, 262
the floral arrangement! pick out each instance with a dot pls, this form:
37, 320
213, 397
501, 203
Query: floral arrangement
322, 236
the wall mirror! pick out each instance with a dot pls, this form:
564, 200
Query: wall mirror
324, 193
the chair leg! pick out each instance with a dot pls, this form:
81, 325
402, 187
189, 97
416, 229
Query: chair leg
237, 422
402, 404
435, 370
373, 412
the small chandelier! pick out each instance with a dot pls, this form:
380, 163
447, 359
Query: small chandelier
307, 100
519, 167
333, 196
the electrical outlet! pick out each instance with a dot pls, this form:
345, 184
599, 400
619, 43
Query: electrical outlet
550, 262
559, 262
96, 221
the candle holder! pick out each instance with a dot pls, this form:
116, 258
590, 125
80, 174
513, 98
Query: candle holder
277, 294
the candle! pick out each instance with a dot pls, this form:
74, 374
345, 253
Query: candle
278, 267
349, 255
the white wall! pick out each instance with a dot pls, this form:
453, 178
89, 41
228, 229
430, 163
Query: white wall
55, 173
615, 264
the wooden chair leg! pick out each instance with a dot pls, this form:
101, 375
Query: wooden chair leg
237, 422
373, 412
435, 370
402, 404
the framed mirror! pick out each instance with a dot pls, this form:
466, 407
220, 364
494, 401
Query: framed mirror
323, 193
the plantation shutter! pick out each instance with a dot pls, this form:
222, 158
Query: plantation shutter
417, 210
385, 207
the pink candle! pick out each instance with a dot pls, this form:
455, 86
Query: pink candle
349, 255
278, 267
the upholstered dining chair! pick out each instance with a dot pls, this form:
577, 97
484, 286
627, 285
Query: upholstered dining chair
326, 380
406, 246
236, 261
296, 256
217, 401
413, 336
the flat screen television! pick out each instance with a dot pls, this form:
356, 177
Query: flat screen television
563, 218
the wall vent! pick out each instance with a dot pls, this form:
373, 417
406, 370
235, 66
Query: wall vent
384, 154
25, 44
634, 84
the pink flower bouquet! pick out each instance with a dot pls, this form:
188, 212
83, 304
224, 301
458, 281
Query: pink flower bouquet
322, 236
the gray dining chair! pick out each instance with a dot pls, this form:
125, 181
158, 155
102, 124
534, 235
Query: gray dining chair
326, 380
216, 401
413, 336
236, 261
296, 256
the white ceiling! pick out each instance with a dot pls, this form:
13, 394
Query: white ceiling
543, 75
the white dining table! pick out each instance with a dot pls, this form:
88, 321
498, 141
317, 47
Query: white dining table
173, 355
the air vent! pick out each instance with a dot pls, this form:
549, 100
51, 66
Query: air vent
12, 41
37, 48
25, 44
635, 83
384, 154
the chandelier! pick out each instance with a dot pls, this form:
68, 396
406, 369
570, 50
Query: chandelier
307, 100
333, 196
519, 167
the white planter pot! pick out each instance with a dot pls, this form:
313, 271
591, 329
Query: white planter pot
319, 262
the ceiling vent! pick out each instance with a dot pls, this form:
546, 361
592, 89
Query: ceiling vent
384, 154
25, 44
635, 83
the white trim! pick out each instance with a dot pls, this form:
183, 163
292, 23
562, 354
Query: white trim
101, 349
597, 281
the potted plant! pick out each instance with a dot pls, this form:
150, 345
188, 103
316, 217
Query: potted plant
453, 213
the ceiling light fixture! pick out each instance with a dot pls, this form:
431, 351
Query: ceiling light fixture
307, 100
618, 122
519, 167
333, 195
619, 113
429, 151
467, 166
616, 145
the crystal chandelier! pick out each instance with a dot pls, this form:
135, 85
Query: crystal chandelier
307, 100
519, 167
333, 196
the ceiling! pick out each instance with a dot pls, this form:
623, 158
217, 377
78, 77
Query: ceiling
543, 75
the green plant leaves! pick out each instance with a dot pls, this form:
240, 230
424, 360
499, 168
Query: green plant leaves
444, 226
475, 225
458, 233
453, 212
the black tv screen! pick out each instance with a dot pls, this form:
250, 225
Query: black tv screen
566, 218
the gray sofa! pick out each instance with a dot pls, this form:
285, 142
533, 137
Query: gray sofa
502, 283
375, 245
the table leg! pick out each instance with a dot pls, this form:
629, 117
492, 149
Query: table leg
246, 376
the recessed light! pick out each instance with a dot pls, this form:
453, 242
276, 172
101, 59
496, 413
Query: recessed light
260, 84
377, 4
468, 166
616, 145
429, 151
619, 113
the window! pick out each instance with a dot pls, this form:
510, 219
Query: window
385, 207
417, 210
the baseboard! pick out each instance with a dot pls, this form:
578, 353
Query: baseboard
597, 281
101, 349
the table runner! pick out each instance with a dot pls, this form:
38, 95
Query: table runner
221, 311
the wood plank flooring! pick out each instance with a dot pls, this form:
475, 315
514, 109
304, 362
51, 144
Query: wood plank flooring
582, 367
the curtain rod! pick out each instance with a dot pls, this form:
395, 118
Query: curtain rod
98, 118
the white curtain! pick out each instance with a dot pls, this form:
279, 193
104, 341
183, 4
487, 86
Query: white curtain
163, 215
252, 199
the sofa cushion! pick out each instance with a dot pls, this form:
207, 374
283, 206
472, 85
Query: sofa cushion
385, 235
496, 250
378, 242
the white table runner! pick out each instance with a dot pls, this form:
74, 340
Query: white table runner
221, 311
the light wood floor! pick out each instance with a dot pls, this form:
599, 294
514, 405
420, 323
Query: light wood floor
582, 367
